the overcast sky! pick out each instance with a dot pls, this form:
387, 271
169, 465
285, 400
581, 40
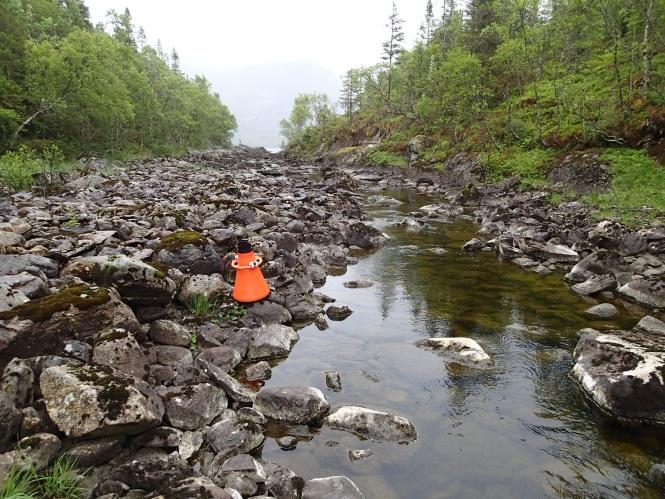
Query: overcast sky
338, 34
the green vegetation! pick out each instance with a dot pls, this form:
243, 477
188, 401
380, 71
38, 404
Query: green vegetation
233, 312
60, 481
178, 240
201, 305
517, 83
20, 168
638, 187
92, 92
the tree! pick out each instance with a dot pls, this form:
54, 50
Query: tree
428, 26
393, 46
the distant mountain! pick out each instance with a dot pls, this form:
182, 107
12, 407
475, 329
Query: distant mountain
261, 96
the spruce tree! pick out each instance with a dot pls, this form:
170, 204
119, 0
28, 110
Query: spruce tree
393, 46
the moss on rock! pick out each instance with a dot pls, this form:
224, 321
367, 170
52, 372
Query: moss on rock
80, 296
177, 240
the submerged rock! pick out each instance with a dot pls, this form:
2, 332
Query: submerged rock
98, 401
369, 423
621, 372
333, 487
602, 311
463, 350
294, 404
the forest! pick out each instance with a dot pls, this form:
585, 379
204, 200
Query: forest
70, 89
514, 81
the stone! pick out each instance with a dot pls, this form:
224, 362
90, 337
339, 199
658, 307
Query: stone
359, 283
295, 404
272, 341
338, 312
333, 487
35, 451
229, 437
168, 355
10, 419
287, 443
194, 406
41, 326
282, 482
369, 423
162, 437
230, 385
210, 286
151, 475
649, 292
223, 357
602, 311
190, 443
245, 465
17, 382
650, 324
552, 252
96, 401
596, 284
360, 454
656, 475
462, 350
95, 452
621, 373
474, 244
78, 350
199, 488
137, 282
364, 236
189, 252
166, 332
25, 283
267, 312
36, 265
120, 350
333, 381
258, 372
10, 298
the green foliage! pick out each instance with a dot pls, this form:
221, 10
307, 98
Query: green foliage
19, 169
385, 158
233, 312
638, 184
201, 305
193, 341
99, 93
60, 481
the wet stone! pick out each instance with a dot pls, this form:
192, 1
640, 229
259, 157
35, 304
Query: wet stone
360, 454
334, 381
287, 443
338, 312
258, 372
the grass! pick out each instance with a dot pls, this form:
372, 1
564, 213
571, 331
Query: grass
201, 305
60, 481
385, 158
528, 164
637, 194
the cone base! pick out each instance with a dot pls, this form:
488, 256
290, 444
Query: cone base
249, 299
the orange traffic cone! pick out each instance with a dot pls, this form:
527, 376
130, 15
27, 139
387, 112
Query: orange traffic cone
250, 286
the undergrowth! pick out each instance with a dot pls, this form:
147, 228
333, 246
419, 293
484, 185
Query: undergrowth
60, 481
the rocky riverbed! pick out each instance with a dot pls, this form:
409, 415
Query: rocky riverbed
106, 356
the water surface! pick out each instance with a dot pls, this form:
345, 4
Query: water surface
520, 429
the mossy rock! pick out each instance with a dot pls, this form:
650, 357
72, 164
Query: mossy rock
178, 240
80, 296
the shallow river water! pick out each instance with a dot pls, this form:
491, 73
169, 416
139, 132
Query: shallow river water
519, 429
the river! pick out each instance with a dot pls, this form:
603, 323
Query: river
519, 429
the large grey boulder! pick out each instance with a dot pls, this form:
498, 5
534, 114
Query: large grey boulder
95, 401
41, 326
369, 423
595, 284
137, 282
272, 341
189, 252
166, 332
462, 350
621, 372
602, 311
267, 312
120, 350
293, 404
225, 358
332, 487
193, 406
36, 265
650, 324
233, 388
231, 436
548, 251
203, 285
648, 292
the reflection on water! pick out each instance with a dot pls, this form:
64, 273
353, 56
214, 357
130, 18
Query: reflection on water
519, 429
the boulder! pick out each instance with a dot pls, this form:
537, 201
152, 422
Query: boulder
333, 381
650, 324
36, 265
295, 404
189, 252
41, 326
553, 252
369, 423
222, 357
153, 475
462, 350
120, 350
230, 385
621, 373
474, 244
258, 372
199, 487
332, 487
602, 311
595, 284
168, 355
272, 341
203, 285
25, 283
137, 282
648, 292
231, 436
95, 401
338, 312
33, 452
95, 452
267, 312
166, 332
193, 406
17, 383
10, 419
364, 236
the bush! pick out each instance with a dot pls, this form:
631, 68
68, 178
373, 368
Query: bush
20, 168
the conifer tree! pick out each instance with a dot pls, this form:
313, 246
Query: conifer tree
393, 46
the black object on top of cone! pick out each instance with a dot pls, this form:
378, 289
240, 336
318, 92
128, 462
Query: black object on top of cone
244, 246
